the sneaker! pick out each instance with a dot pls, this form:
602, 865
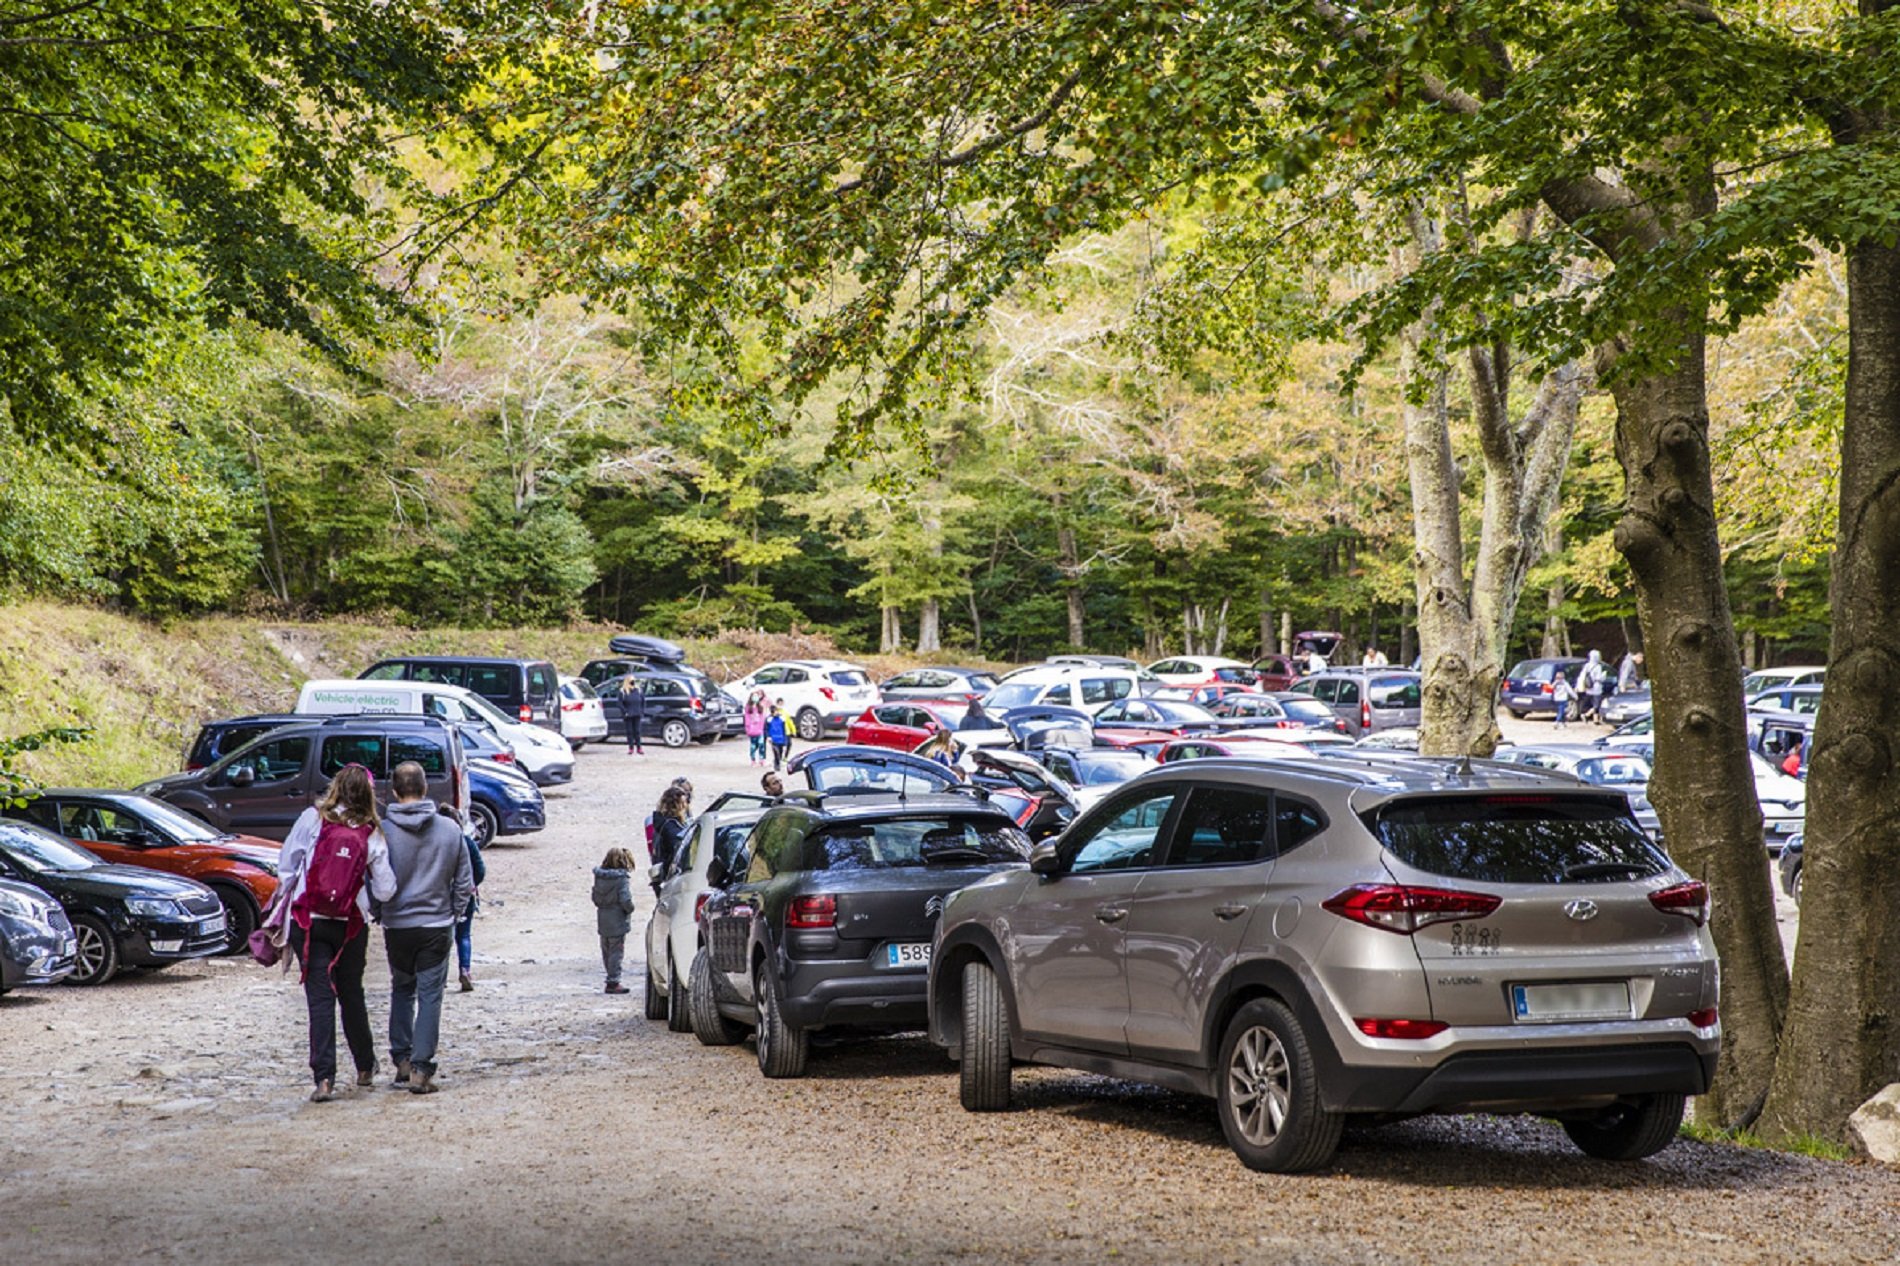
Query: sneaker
468, 983
366, 1076
617, 987
323, 1093
423, 1084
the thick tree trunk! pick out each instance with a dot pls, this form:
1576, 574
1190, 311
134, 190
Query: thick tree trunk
929, 627
1842, 1042
1703, 788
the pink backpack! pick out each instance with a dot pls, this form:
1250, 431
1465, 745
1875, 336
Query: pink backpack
339, 862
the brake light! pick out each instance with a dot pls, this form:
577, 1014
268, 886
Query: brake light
830, 695
1405, 909
1404, 1030
699, 904
527, 713
1365, 714
572, 707
699, 705
1690, 900
503, 758
812, 912
1339, 727
1704, 1018
1549, 689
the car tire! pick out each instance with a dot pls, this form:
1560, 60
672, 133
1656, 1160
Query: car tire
1794, 885
811, 726
983, 1063
709, 739
1516, 715
702, 1007
98, 952
1266, 1070
577, 744
1632, 1132
675, 734
653, 1001
487, 825
783, 1048
677, 1019
240, 918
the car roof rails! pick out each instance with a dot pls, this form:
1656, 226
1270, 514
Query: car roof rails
395, 718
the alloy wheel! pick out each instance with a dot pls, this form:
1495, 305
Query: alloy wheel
1260, 1086
92, 951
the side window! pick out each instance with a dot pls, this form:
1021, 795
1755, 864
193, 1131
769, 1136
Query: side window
351, 749
542, 685
776, 847
495, 682
1294, 823
918, 718
386, 672
796, 676
1098, 690
441, 674
421, 749
274, 762
1326, 689
1058, 694
48, 814
1223, 826
903, 680
1348, 691
1112, 713
933, 680
770, 676
1063, 768
887, 714
1128, 840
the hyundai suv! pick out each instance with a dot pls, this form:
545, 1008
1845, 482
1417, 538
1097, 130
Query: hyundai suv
830, 922
1358, 936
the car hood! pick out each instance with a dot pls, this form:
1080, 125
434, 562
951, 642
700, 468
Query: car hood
126, 881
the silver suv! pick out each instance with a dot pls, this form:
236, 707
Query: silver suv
1370, 935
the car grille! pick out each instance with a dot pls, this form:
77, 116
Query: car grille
204, 905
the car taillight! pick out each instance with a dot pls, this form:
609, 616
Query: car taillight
699, 905
812, 912
1404, 1030
1690, 900
699, 705
192, 769
830, 695
503, 758
1339, 726
1704, 1018
1549, 689
572, 707
1365, 714
1405, 909
527, 713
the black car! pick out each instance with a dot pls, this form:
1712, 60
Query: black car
529, 689
122, 916
1791, 868
221, 738
831, 922
681, 707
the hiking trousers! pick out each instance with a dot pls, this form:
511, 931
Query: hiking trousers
418, 971
333, 981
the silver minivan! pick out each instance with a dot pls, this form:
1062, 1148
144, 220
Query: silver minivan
1367, 700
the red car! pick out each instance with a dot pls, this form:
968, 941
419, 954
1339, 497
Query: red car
903, 725
135, 830
1275, 672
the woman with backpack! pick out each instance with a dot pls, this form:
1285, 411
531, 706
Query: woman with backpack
333, 852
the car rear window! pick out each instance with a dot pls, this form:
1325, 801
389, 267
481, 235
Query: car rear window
1306, 709
1531, 670
912, 842
1394, 692
1519, 839
848, 677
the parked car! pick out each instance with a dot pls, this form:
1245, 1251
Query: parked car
128, 829
1194, 670
672, 935
821, 695
955, 685
830, 925
1397, 739
1366, 699
1173, 716
1502, 940
1232, 743
1627, 771
503, 800
1063, 686
1275, 672
262, 787
1529, 689
1053, 805
583, 719
681, 707
1801, 700
1783, 799
121, 916
37, 945
1091, 661
220, 738
1327, 646
1790, 867
525, 689
1090, 773
1774, 678
1625, 706
542, 754
901, 726
1209, 695
1286, 710
849, 769
641, 654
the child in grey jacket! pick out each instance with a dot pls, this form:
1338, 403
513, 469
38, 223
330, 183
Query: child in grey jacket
613, 899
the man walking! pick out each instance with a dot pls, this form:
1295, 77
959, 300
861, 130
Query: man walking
434, 883
633, 711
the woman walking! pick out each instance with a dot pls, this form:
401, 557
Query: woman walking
633, 712
755, 727
465, 923
333, 852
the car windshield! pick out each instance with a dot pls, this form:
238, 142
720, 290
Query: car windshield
915, 842
865, 777
40, 850
1306, 709
1519, 839
1615, 770
1177, 710
1104, 769
1011, 694
981, 681
179, 825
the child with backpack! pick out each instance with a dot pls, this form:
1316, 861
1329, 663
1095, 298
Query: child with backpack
333, 853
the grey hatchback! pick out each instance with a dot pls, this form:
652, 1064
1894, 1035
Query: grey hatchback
1366, 935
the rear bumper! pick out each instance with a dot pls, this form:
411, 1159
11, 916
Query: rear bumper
1486, 1079
839, 721
814, 997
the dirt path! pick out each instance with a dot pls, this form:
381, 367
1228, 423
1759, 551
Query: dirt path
161, 1119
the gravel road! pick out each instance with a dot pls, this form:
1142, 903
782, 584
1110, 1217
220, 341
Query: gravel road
162, 1118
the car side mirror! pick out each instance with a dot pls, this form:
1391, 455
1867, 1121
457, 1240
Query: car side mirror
717, 873
243, 776
1045, 859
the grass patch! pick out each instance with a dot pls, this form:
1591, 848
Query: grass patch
1800, 1145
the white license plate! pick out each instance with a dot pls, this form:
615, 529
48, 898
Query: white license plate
1557, 1004
909, 954
1522, 699
211, 925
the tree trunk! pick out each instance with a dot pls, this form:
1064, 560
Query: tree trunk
929, 627
1069, 562
1703, 787
1266, 625
1842, 1042
891, 640
976, 619
1408, 634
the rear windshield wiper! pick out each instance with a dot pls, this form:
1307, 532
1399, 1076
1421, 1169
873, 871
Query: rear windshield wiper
955, 852
1604, 870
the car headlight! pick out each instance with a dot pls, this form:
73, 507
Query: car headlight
21, 906
154, 908
526, 795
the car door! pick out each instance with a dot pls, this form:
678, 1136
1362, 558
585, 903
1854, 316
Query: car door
1065, 934
278, 791
1190, 916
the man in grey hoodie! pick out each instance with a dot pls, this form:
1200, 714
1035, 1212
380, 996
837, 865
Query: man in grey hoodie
433, 882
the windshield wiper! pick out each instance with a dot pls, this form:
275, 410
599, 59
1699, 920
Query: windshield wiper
956, 852
1603, 870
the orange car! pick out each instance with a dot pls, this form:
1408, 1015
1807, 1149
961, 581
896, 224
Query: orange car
137, 830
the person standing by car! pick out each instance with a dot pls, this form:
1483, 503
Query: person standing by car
332, 853
1629, 672
1561, 693
633, 711
778, 732
755, 727
974, 717
669, 832
613, 912
1590, 679
434, 883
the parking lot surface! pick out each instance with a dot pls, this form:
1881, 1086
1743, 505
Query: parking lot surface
162, 1118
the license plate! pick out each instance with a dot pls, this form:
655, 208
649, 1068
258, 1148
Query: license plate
211, 925
1522, 699
1557, 1004
910, 954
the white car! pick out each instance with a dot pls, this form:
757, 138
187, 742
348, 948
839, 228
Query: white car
542, 754
673, 938
583, 719
1194, 670
1775, 678
1784, 803
822, 696
1083, 686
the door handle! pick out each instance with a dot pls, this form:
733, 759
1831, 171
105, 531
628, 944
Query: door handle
1111, 914
1229, 912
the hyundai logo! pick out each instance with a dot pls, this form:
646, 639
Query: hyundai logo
1582, 910
933, 908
